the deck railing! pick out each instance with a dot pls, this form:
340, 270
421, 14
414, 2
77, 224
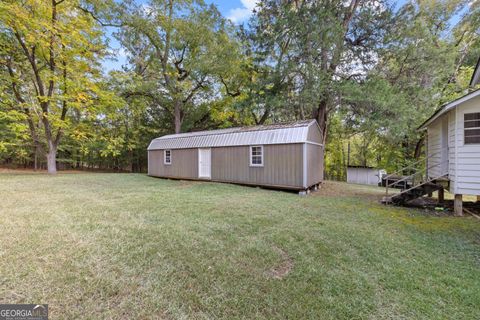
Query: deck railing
420, 175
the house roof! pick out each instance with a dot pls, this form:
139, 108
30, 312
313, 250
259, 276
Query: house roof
449, 106
281, 133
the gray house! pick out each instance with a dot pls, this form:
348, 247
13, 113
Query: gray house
288, 155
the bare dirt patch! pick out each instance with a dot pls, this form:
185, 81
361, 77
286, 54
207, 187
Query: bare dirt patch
283, 269
186, 184
342, 189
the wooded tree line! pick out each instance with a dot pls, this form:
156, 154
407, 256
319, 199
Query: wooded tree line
369, 71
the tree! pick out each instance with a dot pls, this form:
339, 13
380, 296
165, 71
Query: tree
314, 46
183, 46
369, 71
421, 57
14, 83
52, 63
421, 64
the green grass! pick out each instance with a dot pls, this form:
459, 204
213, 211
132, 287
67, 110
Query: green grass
120, 246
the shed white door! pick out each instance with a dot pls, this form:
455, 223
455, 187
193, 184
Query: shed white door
205, 163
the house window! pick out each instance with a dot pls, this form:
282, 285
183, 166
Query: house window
256, 156
167, 157
472, 128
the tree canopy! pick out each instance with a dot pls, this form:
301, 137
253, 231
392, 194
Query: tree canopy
369, 71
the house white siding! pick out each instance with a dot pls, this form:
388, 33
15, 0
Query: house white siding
434, 148
468, 156
463, 159
451, 150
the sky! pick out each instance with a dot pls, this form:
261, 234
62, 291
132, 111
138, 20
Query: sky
238, 11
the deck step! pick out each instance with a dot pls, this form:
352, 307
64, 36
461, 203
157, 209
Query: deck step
413, 193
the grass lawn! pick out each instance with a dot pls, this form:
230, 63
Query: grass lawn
127, 246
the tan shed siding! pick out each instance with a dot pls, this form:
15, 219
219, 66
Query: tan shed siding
434, 148
282, 165
314, 134
468, 156
184, 164
153, 167
314, 164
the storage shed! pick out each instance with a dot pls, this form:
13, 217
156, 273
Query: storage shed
363, 175
287, 155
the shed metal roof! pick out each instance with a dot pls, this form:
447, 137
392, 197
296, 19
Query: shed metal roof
282, 133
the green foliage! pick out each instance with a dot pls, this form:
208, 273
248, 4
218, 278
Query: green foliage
50, 66
420, 65
14, 138
180, 50
369, 71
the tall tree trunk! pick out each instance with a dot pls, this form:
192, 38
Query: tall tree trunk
52, 158
35, 163
177, 116
418, 147
264, 117
37, 148
321, 114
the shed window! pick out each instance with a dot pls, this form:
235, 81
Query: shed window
256, 156
167, 157
472, 128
